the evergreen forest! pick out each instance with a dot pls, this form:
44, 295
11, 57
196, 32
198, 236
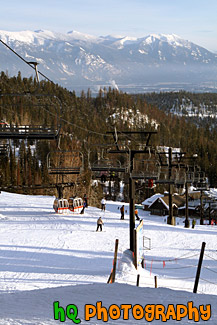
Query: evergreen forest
83, 124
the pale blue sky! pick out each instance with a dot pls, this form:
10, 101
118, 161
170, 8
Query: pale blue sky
195, 20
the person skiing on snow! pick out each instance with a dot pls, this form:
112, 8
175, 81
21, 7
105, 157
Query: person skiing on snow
136, 215
99, 224
122, 212
103, 203
193, 223
85, 200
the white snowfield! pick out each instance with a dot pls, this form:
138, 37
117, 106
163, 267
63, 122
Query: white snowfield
47, 258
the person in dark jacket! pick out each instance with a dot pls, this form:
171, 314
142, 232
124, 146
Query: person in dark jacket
85, 201
193, 223
122, 212
137, 215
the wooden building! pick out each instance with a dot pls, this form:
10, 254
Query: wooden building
160, 206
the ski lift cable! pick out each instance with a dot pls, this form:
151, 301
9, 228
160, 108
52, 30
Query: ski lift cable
61, 119
66, 121
29, 63
42, 106
33, 66
73, 124
84, 129
137, 142
26, 94
128, 137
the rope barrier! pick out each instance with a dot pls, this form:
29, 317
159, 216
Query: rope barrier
169, 279
171, 260
174, 268
161, 277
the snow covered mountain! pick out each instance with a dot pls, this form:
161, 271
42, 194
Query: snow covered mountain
79, 61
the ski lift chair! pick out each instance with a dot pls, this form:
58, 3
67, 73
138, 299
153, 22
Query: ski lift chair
65, 162
61, 206
76, 204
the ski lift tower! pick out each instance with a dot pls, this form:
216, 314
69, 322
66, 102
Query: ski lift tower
201, 184
132, 153
169, 163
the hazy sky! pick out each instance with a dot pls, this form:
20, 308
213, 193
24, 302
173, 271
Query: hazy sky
194, 20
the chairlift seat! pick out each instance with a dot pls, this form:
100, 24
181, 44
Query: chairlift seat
28, 132
72, 205
64, 170
107, 165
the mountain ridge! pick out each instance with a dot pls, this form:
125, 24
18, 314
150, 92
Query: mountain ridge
80, 61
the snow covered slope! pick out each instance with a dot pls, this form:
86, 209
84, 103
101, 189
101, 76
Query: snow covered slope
45, 257
80, 61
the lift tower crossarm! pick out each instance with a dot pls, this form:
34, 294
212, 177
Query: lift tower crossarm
148, 133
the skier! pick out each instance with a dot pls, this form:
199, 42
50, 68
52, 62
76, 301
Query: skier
85, 201
84, 206
136, 215
122, 212
99, 224
193, 223
186, 222
103, 203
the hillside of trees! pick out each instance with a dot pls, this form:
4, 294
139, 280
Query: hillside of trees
83, 122
198, 108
